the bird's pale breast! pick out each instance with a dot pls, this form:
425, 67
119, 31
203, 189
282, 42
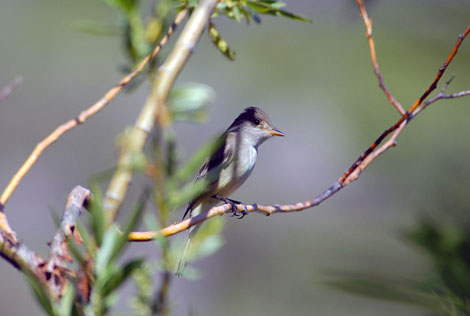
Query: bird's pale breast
240, 169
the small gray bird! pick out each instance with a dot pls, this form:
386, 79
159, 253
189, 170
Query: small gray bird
229, 167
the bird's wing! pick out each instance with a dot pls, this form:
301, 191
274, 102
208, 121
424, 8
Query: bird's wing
212, 167
220, 159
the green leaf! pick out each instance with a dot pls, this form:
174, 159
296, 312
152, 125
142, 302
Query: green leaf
274, 8
125, 6
386, 290
259, 7
66, 301
41, 293
189, 102
219, 42
94, 28
97, 213
114, 241
86, 238
106, 251
209, 246
291, 15
120, 276
194, 163
187, 193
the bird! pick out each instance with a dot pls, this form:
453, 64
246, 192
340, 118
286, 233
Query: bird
230, 165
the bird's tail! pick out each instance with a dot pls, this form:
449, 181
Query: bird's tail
187, 245
182, 262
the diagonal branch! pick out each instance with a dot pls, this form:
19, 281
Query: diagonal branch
373, 56
155, 106
350, 175
95, 108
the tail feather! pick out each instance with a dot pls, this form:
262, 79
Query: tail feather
182, 262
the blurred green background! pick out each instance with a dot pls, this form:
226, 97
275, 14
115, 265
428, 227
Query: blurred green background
317, 84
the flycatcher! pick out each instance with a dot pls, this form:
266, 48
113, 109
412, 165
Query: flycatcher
230, 165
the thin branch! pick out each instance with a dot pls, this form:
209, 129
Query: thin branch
5, 92
95, 108
154, 108
227, 208
350, 175
345, 178
373, 56
441, 95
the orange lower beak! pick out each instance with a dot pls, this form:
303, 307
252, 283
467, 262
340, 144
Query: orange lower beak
276, 132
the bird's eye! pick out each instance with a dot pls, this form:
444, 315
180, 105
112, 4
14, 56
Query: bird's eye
256, 121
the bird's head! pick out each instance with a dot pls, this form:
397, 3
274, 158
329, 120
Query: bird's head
255, 126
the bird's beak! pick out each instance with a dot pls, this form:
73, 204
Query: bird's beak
275, 132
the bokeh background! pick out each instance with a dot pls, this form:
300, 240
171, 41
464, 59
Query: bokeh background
317, 84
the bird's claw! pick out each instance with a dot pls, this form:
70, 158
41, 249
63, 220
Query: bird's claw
234, 204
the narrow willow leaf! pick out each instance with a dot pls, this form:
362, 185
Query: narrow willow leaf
41, 293
120, 276
187, 193
220, 43
66, 301
207, 247
97, 213
104, 255
86, 238
189, 102
259, 7
193, 164
291, 15
386, 290
131, 223
124, 6
94, 28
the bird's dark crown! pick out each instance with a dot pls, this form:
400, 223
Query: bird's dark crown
253, 115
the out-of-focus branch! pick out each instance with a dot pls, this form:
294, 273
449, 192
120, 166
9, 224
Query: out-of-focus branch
19, 255
154, 107
350, 175
56, 268
6, 90
52, 274
95, 108
373, 56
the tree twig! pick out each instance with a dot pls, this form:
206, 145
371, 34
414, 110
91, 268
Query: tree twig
373, 56
83, 116
154, 108
350, 175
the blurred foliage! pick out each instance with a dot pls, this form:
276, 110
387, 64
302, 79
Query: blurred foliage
100, 267
446, 243
143, 23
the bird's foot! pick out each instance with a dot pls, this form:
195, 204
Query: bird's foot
234, 204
